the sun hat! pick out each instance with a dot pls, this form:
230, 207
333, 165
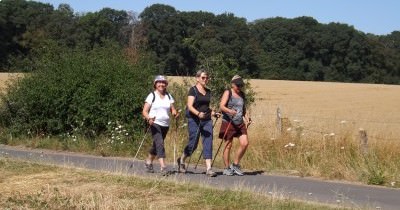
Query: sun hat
237, 80
160, 78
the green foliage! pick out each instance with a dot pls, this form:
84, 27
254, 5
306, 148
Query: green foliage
220, 77
79, 92
274, 48
375, 171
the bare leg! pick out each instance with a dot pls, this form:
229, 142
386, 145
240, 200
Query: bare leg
227, 152
150, 159
244, 143
162, 163
208, 163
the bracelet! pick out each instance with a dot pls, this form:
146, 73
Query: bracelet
198, 114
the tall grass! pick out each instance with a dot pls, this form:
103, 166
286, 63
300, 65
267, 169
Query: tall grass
25, 185
302, 151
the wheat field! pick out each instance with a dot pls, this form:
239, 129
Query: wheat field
325, 107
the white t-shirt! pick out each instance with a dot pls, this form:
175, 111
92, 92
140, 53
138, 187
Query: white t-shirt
160, 108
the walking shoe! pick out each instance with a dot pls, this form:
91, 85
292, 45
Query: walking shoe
236, 169
211, 173
149, 167
228, 171
181, 166
164, 172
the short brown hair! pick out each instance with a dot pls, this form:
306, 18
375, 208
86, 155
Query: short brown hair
200, 71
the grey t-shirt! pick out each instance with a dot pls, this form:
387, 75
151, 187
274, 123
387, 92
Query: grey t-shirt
236, 103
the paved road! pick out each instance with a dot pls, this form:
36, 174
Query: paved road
342, 194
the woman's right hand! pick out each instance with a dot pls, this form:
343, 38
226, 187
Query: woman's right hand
232, 112
201, 115
151, 120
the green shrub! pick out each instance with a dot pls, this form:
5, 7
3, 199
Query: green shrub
79, 92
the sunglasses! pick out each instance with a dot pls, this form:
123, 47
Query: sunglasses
204, 78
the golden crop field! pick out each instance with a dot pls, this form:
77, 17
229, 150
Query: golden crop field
322, 108
328, 107
4, 77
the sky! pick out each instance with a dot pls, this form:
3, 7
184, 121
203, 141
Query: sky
379, 17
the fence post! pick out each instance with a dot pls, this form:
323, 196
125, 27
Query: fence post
363, 141
278, 121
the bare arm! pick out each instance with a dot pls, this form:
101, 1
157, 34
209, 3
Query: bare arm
190, 103
223, 102
145, 113
173, 111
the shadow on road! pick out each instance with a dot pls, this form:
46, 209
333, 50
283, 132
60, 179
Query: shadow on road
253, 173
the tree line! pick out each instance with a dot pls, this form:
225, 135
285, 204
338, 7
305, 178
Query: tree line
178, 42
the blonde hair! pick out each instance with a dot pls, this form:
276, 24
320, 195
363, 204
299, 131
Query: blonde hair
236, 77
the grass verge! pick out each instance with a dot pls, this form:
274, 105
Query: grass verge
26, 185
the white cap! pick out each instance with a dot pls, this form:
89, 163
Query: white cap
160, 78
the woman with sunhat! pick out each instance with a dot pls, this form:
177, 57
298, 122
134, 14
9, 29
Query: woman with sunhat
157, 107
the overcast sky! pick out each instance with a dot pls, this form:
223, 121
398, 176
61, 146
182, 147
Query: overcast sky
379, 17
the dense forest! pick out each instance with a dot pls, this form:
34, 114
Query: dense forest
178, 42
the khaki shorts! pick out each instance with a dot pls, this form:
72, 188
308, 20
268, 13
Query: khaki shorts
229, 130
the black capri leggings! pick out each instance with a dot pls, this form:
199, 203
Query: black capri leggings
159, 133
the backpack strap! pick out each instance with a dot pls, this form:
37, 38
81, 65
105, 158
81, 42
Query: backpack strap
154, 96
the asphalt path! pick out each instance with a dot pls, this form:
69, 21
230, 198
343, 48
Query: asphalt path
338, 193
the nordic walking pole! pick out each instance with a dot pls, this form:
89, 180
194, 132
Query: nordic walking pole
201, 154
141, 143
222, 140
197, 142
176, 136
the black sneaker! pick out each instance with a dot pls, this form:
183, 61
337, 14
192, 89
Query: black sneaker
236, 169
181, 166
149, 167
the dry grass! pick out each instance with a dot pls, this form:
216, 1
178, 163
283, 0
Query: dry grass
33, 186
7, 77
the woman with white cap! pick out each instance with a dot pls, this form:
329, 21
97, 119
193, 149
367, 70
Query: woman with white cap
157, 107
235, 121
